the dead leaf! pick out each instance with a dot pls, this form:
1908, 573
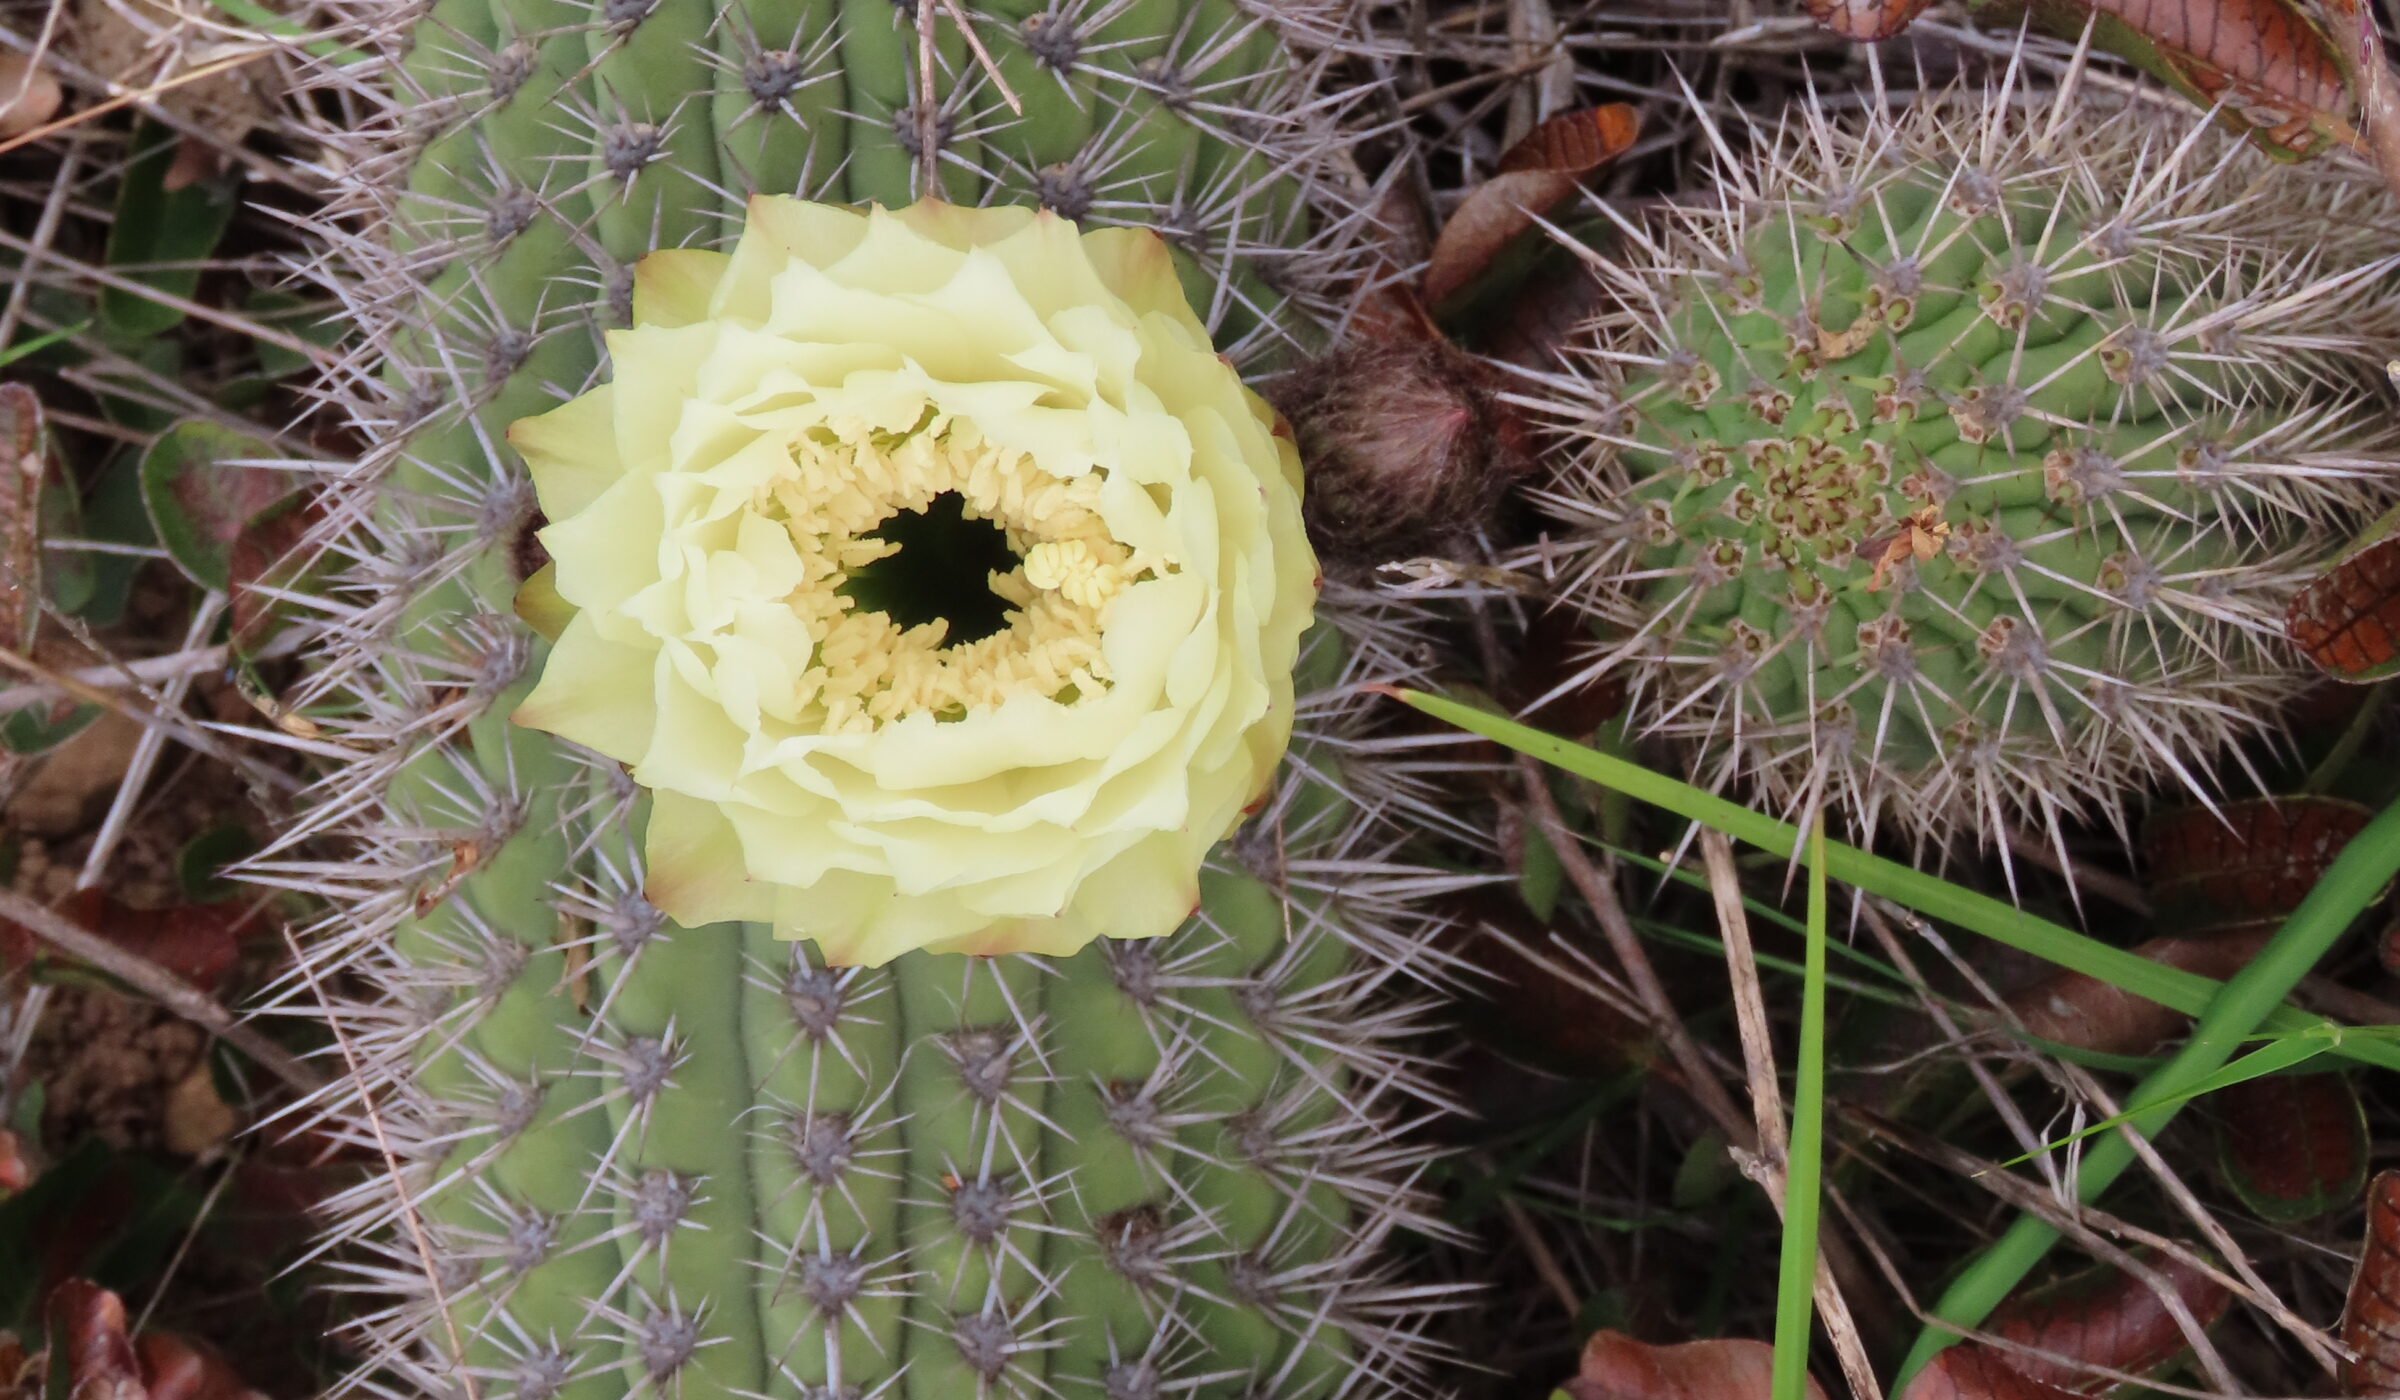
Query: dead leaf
2245, 861
2371, 1317
265, 560
2293, 1146
2269, 66
29, 95
1867, 21
2106, 1317
1616, 1367
24, 462
15, 1172
1534, 174
197, 1120
1523, 1008
2089, 1014
2348, 618
87, 1338
178, 1368
1970, 1372
197, 942
73, 782
1558, 649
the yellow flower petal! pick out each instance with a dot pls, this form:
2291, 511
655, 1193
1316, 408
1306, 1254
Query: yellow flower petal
837, 737
673, 286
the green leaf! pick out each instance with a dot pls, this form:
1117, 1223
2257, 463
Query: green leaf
155, 225
113, 514
200, 498
1930, 895
10, 354
35, 728
200, 865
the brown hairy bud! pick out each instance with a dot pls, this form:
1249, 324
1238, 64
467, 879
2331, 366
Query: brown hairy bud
1405, 446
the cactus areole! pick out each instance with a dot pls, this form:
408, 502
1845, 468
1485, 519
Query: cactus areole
759, 525
1956, 469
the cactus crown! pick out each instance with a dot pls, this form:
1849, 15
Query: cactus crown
1954, 468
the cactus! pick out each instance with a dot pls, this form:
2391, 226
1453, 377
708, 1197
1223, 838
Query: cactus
1953, 468
626, 1158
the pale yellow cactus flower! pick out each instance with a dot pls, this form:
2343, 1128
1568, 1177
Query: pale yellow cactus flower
931, 572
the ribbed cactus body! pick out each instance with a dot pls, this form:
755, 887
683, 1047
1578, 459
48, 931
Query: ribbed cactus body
1956, 469
740, 1172
628, 1158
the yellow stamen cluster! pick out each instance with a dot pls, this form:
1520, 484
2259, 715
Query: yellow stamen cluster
849, 478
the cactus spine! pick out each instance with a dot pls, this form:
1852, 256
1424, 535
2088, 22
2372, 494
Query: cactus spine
633, 1159
1953, 469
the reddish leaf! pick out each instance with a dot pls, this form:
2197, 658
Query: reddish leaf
15, 1172
1534, 174
1557, 647
87, 1339
1971, 1372
2348, 618
2085, 1012
24, 456
29, 96
266, 560
1524, 1008
175, 1368
1866, 20
202, 490
2106, 1317
2246, 861
2293, 1146
2103, 1318
1616, 1367
2371, 1318
198, 942
2268, 65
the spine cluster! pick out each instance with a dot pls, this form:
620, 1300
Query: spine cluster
1953, 467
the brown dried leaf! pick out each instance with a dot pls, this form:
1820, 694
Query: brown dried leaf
1866, 21
197, 942
2074, 1009
2294, 1146
2371, 1318
24, 461
1971, 1372
2104, 1318
1527, 1010
1534, 174
2271, 66
29, 95
2246, 861
1616, 1367
265, 560
87, 1338
2348, 618
1549, 668
15, 1172
178, 1368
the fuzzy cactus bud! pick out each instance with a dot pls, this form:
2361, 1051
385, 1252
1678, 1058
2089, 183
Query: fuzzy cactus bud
1407, 449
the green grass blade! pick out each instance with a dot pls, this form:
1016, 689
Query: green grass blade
1795, 1291
2354, 881
2188, 992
